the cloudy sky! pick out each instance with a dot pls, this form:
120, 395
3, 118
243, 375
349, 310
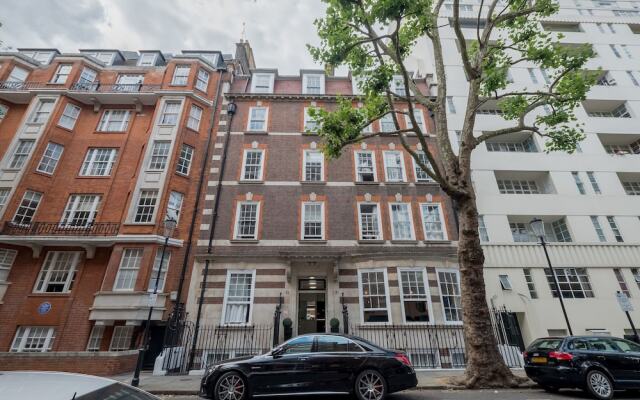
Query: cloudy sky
278, 30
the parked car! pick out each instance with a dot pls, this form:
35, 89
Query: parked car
35, 385
597, 364
312, 364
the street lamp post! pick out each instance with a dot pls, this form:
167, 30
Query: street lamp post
169, 226
537, 226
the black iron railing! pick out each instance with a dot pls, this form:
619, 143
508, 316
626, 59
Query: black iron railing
98, 87
17, 86
58, 229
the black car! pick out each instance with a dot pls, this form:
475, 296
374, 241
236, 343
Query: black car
598, 364
312, 364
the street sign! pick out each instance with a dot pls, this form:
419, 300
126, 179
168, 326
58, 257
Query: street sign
624, 302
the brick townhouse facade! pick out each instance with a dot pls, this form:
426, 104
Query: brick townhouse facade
368, 232
97, 149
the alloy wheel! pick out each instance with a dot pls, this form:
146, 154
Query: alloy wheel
231, 387
370, 386
600, 385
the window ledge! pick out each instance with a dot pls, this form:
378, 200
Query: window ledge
49, 294
256, 133
313, 182
93, 176
371, 241
312, 241
249, 182
243, 241
367, 183
421, 183
395, 183
442, 242
393, 241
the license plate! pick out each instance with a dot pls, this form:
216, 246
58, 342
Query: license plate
539, 360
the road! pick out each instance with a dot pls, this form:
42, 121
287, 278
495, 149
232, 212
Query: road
528, 394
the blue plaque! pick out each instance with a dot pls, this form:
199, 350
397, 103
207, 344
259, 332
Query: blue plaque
44, 308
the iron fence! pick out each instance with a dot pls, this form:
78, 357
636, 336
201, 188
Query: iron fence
114, 88
58, 229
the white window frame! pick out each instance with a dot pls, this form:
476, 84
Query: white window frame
133, 258
164, 272
373, 161
387, 119
444, 315
265, 123
62, 74
170, 117
244, 165
179, 77
305, 82
185, 161
225, 301
309, 124
417, 168
175, 207
18, 75
419, 116
158, 160
386, 166
136, 209
386, 290
69, 116
106, 117
147, 63
40, 115
19, 159
26, 330
84, 77
90, 162
95, 338
4, 196
202, 82
254, 81
50, 261
50, 159
303, 220
236, 224
305, 158
442, 220
34, 194
71, 210
423, 270
102, 56
379, 217
391, 218
117, 334
193, 122
7, 258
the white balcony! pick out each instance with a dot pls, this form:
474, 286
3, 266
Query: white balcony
128, 306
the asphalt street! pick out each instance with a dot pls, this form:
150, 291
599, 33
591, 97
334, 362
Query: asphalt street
525, 394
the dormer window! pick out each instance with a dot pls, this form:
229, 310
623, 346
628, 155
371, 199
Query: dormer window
43, 57
397, 85
313, 84
147, 59
262, 83
105, 57
212, 58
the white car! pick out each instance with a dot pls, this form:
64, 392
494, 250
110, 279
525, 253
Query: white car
36, 385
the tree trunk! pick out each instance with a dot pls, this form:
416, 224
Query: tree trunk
485, 365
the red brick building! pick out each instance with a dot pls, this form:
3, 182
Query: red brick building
97, 149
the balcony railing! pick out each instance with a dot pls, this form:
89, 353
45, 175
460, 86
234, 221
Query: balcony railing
58, 229
20, 86
97, 87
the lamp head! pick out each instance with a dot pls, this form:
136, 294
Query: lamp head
537, 226
169, 226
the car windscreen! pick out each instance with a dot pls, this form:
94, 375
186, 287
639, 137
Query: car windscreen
546, 344
116, 391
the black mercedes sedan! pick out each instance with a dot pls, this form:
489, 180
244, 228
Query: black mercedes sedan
597, 364
312, 364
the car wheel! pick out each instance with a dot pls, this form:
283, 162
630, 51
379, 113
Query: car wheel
599, 385
231, 386
370, 385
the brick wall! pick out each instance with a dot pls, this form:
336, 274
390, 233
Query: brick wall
102, 363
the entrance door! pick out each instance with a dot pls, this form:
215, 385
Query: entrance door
311, 306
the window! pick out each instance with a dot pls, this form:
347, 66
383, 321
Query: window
128, 269
528, 278
578, 181
27, 208
180, 75
87, 77
18, 75
129, 82
114, 121
401, 222
520, 233
509, 186
532, 75
41, 113
394, 166
414, 295
614, 228
33, 339
95, 338
262, 83
374, 296
202, 80
170, 113
81, 210
147, 59
247, 221
482, 229
451, 107
21, 153
312, 221
626, 13
313, 166
433, 222
7, 257
421, 175
98, 162
313, 84
257, 119
369, 216
336, 344
195, 114
252, 165
50, 158
3, 111
387, 123
161, 261
121, 338
449, 283
620, 49
238, 297
636, 276
69, 116
574, 283
598, 228
525, 146
146, 206
58, 272
634, 77
623, 284
397, 85
594, 182
159, 155
310, 124
62, 73
299, 345
561, 231
632, 188
365, 166
105, 57
505, 282
184, 161
618, 112
174, 205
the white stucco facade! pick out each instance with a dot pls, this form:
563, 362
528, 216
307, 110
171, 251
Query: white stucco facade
569, 190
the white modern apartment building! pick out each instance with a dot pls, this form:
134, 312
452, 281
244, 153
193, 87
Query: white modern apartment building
589, 200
